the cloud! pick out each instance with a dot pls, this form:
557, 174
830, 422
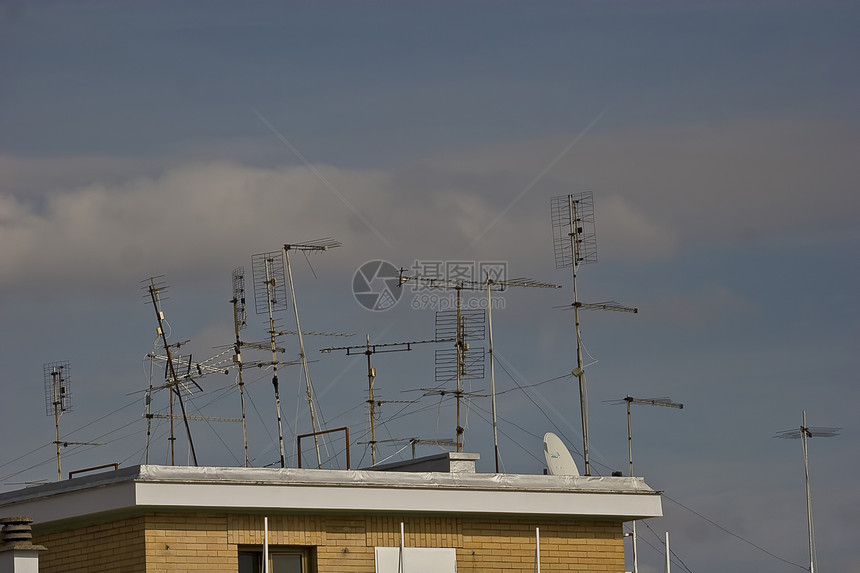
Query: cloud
661, 189
703, 184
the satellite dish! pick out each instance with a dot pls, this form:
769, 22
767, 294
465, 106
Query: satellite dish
558, 458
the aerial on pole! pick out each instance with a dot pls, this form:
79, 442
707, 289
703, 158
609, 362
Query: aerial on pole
575, 244
805, 432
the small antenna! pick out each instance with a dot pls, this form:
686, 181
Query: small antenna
58, 398
368, 350
663, 401
491, 285
311, 247
805, 432
575, 243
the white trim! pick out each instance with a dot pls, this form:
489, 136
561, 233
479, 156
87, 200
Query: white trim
337, 490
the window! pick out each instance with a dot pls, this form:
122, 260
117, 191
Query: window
281, 560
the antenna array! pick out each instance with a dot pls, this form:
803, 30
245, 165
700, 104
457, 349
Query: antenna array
575, 244
270, 296
58, 398
155, 288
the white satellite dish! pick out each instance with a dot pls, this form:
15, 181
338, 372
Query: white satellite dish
558, 458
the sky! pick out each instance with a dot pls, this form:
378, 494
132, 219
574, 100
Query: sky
719, 141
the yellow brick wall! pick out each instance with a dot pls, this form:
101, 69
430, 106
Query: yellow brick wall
185, 542
181, 542
115, 546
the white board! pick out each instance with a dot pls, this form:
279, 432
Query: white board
558, 458
416, 559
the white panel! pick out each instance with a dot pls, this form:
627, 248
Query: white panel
416, 560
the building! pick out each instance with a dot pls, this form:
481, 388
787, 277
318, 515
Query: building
151, 519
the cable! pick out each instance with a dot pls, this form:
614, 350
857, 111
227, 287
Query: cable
747, 541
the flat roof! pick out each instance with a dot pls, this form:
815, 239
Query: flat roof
151, 487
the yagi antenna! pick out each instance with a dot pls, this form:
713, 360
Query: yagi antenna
575, 244
492, 284
662, 401
368, 350
58, 398
311, 247
155, 288
805, 432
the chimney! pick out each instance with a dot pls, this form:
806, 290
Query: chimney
18, 554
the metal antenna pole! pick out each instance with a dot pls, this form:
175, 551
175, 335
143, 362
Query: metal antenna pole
501, 285
803, 436
270, 283
651, 402
148, 408
579, 372
238, 322
309, 392
803, 433
371, 401
58, 399
492, 375
461, 369
175, 388
575, 243
54, 375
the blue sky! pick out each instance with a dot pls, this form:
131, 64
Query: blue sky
720, 141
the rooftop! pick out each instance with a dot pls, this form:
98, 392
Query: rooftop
457, 490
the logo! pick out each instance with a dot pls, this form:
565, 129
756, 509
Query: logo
376, 285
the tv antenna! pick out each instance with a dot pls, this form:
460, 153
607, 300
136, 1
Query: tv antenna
461, 362
462, 324
805, 432
311, 247
239, 322
368, 350
58, 398
575, 243
270, 296
662, 401
500, 285
155, 288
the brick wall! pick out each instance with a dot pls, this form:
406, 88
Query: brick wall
115, 546
209, 541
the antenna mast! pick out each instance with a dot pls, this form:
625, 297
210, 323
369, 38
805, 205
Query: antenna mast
575, 243
270, 295
650, 402
58, 398
155, 289
457, 324
368, 350
239, 322
501, 285
311, 247
803, 433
